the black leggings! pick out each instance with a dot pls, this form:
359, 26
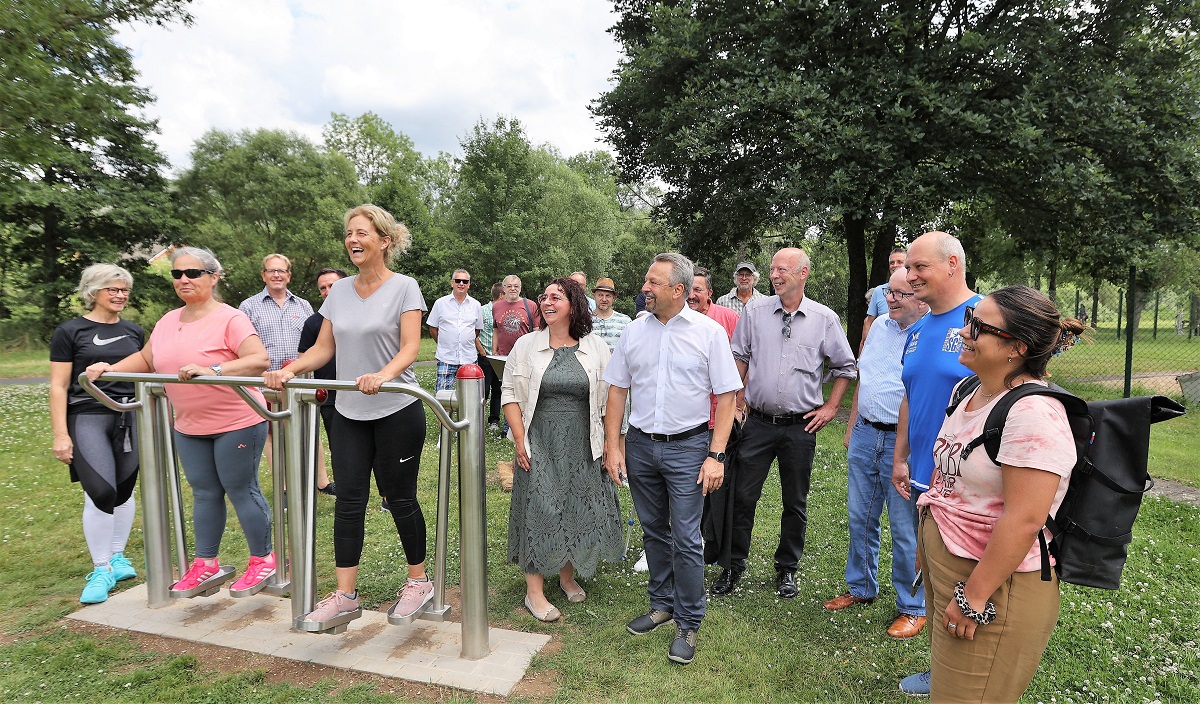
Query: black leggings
392, 445
106, 457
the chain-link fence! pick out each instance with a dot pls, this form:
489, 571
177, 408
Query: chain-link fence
1143, 353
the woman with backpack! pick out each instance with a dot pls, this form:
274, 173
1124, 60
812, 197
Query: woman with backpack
980, 520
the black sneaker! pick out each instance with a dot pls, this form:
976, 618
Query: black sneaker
683, 648
648, 621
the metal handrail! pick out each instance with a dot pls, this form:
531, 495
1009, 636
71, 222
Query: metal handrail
241, 381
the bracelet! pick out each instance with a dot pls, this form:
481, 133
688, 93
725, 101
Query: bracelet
981, 618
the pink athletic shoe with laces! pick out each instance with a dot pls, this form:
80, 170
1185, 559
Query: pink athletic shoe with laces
196, 575
415, 594
258, 569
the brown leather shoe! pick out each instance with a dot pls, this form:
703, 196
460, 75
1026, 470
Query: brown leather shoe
840, 602
906, 626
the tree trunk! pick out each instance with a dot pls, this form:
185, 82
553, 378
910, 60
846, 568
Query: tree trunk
1052, 293
856, 287
49, 255
885, 241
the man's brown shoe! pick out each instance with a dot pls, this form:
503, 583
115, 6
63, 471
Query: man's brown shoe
906, 626
840, 602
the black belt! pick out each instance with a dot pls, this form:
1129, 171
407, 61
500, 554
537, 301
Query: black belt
885, 427
664, 437
785, 419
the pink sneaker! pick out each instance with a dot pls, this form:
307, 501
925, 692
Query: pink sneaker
415, 594
197, 574
336, 604
258, 569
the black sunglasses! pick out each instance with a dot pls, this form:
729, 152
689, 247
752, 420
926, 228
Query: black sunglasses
977, 326
462, 281
190, 273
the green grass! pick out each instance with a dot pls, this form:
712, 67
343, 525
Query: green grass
1134, 645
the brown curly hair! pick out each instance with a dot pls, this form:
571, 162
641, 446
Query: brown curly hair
581, 313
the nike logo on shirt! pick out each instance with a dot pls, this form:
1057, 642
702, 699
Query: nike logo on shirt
96, 340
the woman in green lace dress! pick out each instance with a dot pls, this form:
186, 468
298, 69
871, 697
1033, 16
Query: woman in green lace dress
565, 517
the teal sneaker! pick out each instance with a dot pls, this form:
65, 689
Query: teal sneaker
99, 583
121, 566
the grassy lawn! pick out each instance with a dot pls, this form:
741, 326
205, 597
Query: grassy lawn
1134, 645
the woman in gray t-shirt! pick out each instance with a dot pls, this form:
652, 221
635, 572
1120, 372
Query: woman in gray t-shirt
373, 320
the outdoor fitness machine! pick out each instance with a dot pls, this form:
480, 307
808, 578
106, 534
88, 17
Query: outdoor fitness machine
295, 446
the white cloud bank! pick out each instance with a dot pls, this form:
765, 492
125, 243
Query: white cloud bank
430, 69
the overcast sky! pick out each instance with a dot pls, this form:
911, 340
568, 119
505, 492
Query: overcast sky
431, 69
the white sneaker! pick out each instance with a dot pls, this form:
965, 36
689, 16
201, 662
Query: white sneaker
641, 565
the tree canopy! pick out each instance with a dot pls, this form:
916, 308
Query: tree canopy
1072, 120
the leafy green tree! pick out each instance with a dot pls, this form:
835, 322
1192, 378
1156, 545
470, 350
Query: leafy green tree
80, 179
376, 150
1076, 119
253, 193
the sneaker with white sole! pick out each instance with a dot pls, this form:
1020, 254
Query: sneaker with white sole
415, 594
642, 565
257, 570
916, 685
339, 603
99, 583
121, 566
197, 574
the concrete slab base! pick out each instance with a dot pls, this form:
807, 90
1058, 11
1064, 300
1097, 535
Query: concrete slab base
422, 651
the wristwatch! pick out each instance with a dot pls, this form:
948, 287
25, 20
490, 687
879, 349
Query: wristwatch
216, 369
719, 456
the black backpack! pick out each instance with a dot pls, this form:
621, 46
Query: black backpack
1091, 532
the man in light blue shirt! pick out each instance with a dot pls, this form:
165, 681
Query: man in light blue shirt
871, 441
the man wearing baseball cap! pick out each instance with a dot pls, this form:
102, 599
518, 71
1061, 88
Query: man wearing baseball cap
743, 293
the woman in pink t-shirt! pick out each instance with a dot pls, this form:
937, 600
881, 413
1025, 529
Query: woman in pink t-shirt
980, 552
218, 437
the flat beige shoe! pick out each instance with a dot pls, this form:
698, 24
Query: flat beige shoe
574, 597
552, 614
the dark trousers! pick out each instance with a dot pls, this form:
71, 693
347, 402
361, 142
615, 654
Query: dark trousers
491, 389
761, 444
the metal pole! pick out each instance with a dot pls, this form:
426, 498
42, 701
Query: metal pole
1156, 295
154, 505
1120, 310
298, 505
1129, 331
472, 512
281, 434
439, 608
165, 443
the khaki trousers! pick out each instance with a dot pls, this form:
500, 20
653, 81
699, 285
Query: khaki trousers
999, 663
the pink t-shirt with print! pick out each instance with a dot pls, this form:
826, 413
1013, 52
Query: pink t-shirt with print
966, 497
201, 409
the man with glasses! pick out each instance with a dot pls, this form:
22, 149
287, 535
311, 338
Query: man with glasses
871, 439
455, 323
514, 316
277, 313
937, 268
743, 293
784, 345
877, 305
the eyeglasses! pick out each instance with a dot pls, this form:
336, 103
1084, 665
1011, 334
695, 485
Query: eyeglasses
897, 295
280, 272
977, 326
190, 273
552, 298
462, 281
787, 325
114, 291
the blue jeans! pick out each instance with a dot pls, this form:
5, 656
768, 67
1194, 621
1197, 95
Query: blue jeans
870, 489
669, 503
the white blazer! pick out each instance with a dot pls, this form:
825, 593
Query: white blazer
526, 364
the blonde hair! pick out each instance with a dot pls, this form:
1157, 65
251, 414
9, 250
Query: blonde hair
98, 276
385, 226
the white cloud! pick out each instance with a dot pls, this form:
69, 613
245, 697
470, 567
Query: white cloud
431, 69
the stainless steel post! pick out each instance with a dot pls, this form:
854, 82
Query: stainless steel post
304, 569
168, 468
281, 433
472, 512
438, 610
298, 506
154, 505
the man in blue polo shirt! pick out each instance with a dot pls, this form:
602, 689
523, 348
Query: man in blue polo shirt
937, 268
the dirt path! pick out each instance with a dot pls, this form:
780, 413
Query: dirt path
1176, 492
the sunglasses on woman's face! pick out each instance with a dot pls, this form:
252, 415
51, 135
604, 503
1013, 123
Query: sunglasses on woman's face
190, 273
976, 326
